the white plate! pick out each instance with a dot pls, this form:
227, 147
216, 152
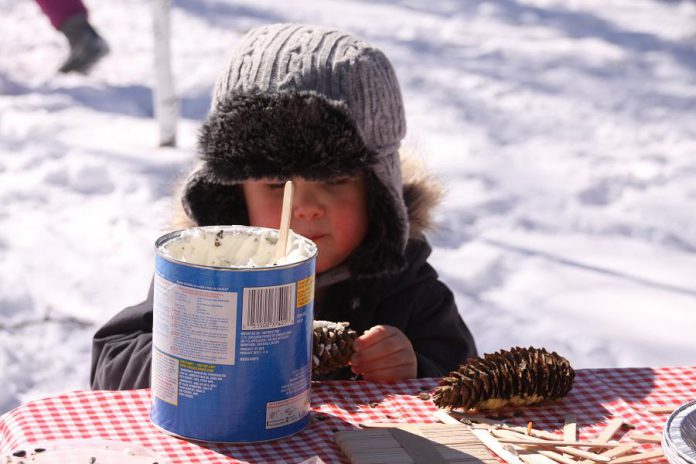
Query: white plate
83, 452
679, 436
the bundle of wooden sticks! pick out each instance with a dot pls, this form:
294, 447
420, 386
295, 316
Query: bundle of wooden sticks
465, 438
469, 439
526, 445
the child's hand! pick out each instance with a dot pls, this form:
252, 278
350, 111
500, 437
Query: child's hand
384, 354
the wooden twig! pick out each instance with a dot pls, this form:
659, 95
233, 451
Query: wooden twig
662, 409
570, 428
484, 420
557, 457
514, 439
536, 459
645, 438
553, 455
612, 427
621, 450
494, 445
286, 212
592, 457
588, 455
638, 457
445, 418
582, 444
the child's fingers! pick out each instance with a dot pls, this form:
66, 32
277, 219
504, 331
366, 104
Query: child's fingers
386, 347
372, 336
378, 360
384, 353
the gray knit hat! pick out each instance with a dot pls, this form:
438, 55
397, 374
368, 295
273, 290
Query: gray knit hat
298, 100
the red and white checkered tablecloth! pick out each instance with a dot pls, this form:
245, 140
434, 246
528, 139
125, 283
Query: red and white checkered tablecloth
597, 396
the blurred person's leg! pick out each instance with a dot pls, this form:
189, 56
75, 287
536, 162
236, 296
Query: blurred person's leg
58, 11
86, 45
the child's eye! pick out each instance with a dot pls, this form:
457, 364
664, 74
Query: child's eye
339, 180
275, 185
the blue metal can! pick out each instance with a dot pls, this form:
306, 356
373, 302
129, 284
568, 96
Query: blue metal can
232, 346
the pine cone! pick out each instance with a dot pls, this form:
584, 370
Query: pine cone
521, 376
332, 346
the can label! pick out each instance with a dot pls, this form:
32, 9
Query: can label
231, 358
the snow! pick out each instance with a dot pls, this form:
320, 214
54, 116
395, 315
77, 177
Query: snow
563, 132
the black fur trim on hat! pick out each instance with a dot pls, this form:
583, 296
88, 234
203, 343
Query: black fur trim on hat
211, 203
281, 135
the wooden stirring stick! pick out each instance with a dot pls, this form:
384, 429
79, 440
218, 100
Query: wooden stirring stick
281, 247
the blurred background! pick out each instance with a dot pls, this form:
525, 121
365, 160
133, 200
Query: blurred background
564, 133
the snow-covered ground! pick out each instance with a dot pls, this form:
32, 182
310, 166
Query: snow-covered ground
564, 131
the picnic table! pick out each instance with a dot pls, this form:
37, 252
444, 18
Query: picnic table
598, 396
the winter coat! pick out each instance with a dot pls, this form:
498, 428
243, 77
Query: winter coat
414, 301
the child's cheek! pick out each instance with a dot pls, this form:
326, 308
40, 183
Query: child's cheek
264, 213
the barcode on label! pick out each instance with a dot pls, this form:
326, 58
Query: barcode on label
268, 307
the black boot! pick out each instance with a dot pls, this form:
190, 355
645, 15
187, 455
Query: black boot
86, 46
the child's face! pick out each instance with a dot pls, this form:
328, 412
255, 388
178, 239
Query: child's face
331, 213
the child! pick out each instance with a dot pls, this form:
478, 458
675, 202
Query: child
323, 109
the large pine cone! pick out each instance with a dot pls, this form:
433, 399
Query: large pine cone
332, 346
521, 376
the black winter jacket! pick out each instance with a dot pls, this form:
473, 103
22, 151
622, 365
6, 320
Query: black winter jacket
414, 301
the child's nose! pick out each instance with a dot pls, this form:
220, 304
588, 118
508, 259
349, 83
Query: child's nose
306, 206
